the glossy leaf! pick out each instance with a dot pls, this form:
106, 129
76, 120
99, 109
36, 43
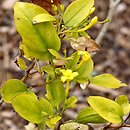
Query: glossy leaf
77, 11
37, 39
48, 69
123, 101
52, 122
21, 63
85, 71
70, 102
54, 53
88, 115
47, 107
44, 17
107, 80
29, 108
74, 126
55, 92
73, 62
11, 88
106, 108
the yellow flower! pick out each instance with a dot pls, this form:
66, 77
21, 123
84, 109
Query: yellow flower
68, 75
85, 55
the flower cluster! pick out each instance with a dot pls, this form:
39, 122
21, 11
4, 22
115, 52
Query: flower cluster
68, 75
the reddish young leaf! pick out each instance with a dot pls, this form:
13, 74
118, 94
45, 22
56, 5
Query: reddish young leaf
46, 4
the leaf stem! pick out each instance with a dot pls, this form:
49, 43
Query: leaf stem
27, 72
53, 66
67, 88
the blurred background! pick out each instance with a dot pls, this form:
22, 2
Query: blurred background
113, 57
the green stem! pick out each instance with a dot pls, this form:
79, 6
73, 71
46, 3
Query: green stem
67, 88
53, 66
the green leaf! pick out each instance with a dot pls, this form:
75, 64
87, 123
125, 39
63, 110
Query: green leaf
106, 108
85, 71
74, 126
12, 88
123, 101
36, 38
54, 53
70, 102
48, 69
29, 108
77, 11
52, 122
88, 115
73, 62
21, 63
44, 17
47, 107
107, 80
55, 92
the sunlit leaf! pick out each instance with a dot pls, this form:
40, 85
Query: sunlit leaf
123, 101
54, 53
47, 107
21, 63
55, 92
107, 80
40, 18
11, 88
48, 69
29, 108
106, 108
73, 62
70, 102
85, 71
88, 115
77, 11
52, 122
36, 38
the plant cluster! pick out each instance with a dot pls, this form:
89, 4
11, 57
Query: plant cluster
42, 34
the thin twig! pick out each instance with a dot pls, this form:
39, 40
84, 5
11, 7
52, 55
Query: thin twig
127, 117
112, 6
115, 127
27, 72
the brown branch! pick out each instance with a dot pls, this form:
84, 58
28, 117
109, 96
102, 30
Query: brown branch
27, 72
112, 6
127, 117
115, 127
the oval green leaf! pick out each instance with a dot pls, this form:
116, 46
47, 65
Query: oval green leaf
47, 107
74, 60
85, 71
55, 92
123, 101
11, 88
106, 108
107, 80
28, 107
88, 115
51, 123
44, 17
70, 102
48, 69
37, 39
77, 11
